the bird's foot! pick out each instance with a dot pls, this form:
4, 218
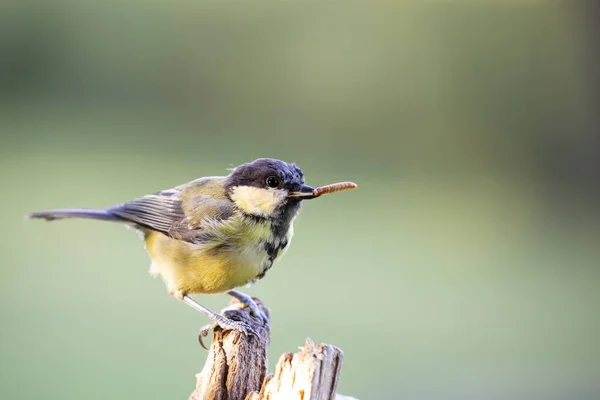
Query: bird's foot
225, 324
247, 301
254, 310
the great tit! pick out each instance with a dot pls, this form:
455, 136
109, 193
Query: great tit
217, 233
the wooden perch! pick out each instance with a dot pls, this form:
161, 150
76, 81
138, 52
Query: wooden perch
236, 367
311, 373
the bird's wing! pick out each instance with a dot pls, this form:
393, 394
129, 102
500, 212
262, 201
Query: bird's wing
158, 212
176, 213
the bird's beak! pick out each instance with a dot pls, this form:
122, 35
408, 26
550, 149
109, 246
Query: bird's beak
305, 193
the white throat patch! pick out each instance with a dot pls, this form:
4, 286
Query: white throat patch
258, 201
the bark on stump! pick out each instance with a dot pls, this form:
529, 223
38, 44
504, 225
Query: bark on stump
236, 367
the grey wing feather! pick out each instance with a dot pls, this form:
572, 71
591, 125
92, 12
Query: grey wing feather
158, 212
164, 212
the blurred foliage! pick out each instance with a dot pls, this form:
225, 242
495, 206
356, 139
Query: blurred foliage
465, 266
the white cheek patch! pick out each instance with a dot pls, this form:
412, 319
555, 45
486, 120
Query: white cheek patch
257, 201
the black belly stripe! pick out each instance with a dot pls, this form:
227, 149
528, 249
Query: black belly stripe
272, 252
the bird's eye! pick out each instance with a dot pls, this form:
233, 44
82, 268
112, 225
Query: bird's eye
273, 181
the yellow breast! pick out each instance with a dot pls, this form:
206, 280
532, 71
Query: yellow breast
210, 268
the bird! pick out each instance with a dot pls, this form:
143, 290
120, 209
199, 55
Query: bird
217, 233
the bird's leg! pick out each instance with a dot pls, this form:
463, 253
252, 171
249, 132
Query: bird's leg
248, 302
217, 320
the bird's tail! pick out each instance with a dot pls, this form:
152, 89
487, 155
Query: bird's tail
51, 215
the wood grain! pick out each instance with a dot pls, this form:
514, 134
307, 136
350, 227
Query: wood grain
236, 367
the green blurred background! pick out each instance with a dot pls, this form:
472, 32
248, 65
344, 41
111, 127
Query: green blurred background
466, 266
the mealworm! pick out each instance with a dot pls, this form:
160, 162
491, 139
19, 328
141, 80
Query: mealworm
334, 187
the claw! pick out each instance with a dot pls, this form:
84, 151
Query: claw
225, 324
248, 301
254, 311
204, 331
263, 318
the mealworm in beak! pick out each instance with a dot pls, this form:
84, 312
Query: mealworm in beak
334, 187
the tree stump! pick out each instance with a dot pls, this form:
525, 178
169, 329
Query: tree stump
236, 366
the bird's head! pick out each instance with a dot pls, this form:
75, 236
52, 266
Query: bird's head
268, 188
